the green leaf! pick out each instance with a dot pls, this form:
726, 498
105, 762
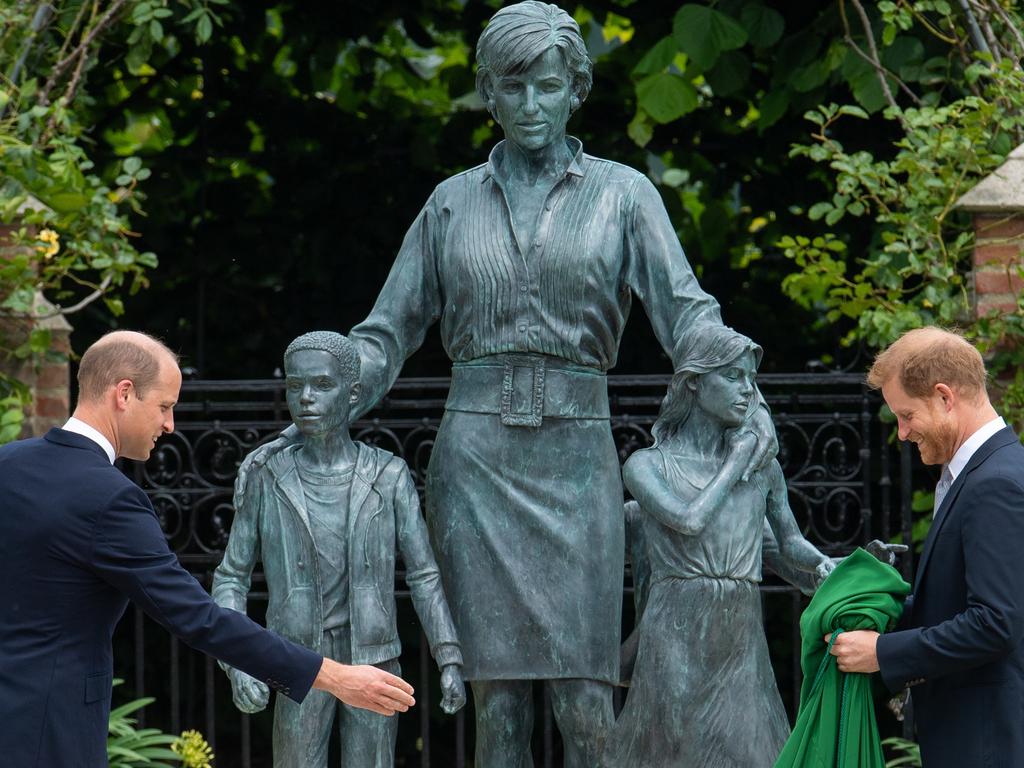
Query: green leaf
704, 33
818, 210
666, 97
764, 25
772, 108
204, 28
67, 202
640, 129
848, 109
730, 74
658, 58
675, 177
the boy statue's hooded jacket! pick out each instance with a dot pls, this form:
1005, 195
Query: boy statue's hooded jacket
272, 525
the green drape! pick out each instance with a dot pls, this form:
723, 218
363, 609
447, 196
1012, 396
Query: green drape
836, 725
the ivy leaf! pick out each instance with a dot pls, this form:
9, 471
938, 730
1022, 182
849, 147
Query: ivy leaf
764, 25
705, 33
666, 97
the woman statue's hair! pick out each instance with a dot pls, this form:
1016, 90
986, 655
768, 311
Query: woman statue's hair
698, 353
519, 34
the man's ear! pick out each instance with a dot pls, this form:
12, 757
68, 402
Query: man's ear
124, 390
353, 396
946, 395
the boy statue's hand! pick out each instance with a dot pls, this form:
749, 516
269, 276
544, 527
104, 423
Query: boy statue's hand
453, 688
249, 694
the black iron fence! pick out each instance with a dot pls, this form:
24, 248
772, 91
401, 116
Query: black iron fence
847, 485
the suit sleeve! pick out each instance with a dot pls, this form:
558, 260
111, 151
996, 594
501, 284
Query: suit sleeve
992, 624
131, 554
421, 573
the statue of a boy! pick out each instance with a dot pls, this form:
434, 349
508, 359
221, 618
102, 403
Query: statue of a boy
324, 516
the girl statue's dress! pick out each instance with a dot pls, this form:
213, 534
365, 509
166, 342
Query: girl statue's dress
703, 694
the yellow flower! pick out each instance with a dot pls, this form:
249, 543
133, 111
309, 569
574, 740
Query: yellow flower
194, 751
52, 240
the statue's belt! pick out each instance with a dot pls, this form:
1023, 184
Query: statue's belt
525, 389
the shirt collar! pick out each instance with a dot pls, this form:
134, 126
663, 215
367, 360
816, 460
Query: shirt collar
494, 160
79, 427
972, 444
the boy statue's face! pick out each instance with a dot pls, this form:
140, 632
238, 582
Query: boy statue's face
318, 392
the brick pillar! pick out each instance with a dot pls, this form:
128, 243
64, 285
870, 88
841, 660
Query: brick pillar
47, 376
998, 261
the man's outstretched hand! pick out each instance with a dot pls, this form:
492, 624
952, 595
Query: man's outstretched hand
365, 687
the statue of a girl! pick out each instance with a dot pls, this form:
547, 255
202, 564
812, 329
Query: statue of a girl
703, 692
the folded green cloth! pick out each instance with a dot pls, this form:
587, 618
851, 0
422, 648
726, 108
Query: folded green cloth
836, 726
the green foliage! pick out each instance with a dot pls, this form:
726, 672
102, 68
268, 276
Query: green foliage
131, 747
72, 240
910, 757
911, 269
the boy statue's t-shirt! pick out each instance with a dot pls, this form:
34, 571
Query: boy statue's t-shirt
326, 499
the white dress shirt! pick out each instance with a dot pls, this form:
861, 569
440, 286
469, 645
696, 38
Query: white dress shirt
79, 427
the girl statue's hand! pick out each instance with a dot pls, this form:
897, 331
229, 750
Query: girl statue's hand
741, 443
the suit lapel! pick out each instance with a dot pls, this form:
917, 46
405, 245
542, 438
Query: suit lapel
999, 440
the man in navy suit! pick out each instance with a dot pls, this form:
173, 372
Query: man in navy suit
960, 643
78, 540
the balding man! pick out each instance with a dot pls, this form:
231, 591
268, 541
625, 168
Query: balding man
960, 643
78, 540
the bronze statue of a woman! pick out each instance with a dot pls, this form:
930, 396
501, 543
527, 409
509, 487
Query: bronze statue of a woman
529, 264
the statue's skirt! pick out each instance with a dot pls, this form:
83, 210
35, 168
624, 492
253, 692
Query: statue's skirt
527, 526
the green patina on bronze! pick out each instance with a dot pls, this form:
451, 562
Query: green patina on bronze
702, 689
529, 264
325, 516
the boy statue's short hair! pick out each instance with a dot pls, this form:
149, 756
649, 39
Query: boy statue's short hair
338, 346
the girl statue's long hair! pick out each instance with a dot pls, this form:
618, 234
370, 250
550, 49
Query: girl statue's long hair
698, 353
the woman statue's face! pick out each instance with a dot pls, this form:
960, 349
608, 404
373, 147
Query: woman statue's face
726, 393
533, 106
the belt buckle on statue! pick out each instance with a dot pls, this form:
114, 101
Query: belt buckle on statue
524, 365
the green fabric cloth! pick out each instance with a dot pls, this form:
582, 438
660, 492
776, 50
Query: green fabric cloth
836, 725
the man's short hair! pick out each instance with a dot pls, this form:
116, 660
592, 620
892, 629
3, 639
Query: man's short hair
924, 357
336, 345
519, 34
120, 355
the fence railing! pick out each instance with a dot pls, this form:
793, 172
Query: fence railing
847, 485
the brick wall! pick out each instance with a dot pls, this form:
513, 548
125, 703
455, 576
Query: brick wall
998, 261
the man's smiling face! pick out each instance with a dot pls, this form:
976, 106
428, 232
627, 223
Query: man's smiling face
925, 421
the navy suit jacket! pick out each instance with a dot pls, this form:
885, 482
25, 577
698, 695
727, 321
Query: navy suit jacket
960, 643
78, 539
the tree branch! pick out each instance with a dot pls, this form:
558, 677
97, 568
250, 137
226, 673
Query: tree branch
873, 58
83, 47
100, 290
73, 29
973, 29
1013, 29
